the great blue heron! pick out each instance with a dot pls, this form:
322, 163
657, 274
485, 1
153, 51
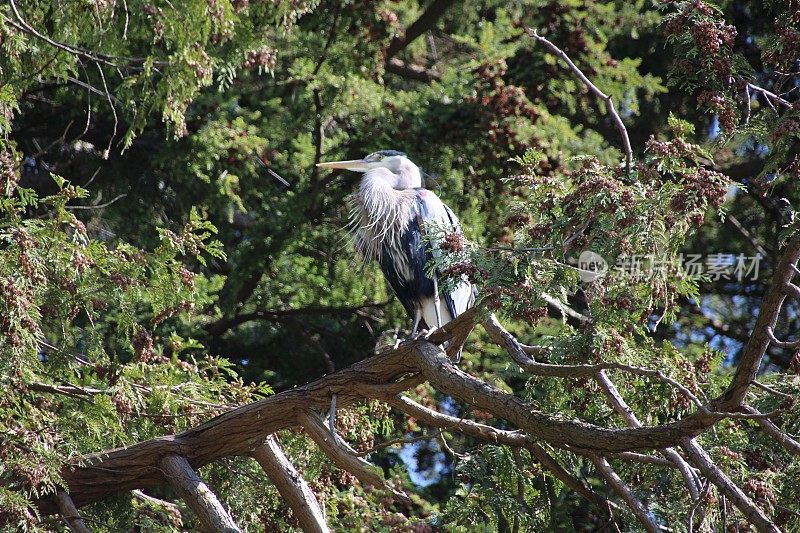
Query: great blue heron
391, 217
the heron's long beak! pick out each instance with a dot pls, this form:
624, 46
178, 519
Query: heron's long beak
359, 165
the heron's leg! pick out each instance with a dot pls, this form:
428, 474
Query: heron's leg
417, 319
396, 338
436, 301
332, 419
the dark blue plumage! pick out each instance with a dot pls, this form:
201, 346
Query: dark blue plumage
405, 271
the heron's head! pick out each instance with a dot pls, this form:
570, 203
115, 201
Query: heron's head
403, 173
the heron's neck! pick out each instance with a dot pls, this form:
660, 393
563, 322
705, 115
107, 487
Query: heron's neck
381, 214
381, 201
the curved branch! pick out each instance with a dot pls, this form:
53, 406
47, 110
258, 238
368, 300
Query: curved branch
499, 436
774, 431
626, 142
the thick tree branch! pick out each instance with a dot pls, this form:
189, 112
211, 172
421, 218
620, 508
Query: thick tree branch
425, 22
365, 472
700, 459
759, 341
197, 495
238, 431
70, 513
291, 485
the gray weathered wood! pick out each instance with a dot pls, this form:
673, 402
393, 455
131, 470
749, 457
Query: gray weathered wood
197, 495
291, 485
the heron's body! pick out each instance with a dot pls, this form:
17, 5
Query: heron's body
390, 217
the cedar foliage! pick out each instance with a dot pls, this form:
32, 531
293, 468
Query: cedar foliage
154, 272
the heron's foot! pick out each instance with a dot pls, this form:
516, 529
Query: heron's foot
424, 333
430, 332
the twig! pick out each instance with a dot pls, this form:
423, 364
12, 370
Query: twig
400, 440
626, 142
106, 59
89, 87
770, 390
733, 221
113, 111
769, 96
747, 103
319, 134
777, 433
100, 206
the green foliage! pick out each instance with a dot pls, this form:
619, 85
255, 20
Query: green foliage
172, 273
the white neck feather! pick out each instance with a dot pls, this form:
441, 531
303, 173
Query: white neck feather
379, 213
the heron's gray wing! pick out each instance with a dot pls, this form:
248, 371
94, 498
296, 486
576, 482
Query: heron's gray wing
403, 264
439, 221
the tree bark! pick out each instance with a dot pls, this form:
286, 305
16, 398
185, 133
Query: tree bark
214, 517
291, 485
70, 513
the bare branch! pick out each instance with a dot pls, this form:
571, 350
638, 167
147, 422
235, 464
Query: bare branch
780, 343
99, 206
769, 96
499, 436
291, 485
744, 232
518, 352
700, 459
622, 407
626, 142
197, 495
70, 513
624, 492
777, 433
